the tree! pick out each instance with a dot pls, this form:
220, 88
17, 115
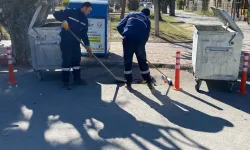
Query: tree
164, 6
156, 17
205, 5
16, 16
123, 2
172, 7
159, 8
133, 4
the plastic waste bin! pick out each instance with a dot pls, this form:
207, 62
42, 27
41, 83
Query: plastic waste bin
99, 25
217, 51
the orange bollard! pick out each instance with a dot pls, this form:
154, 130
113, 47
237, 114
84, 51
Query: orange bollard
244, 75
10, 66
177, 72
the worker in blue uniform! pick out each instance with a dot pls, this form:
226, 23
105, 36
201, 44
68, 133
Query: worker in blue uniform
77, 22
135, 29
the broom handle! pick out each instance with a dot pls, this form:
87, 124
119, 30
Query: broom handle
157, 69
92, 53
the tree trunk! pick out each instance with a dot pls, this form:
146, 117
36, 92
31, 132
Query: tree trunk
205, 4
123, 9
248, 12
17, 17
133, 4
156, 17
164, 8
18, 28
172, 8
159, 6
20, 44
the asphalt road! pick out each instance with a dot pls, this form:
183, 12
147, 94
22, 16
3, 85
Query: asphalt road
103, 115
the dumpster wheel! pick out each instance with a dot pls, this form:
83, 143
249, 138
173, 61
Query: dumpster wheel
198, 84
39, 74
230, 86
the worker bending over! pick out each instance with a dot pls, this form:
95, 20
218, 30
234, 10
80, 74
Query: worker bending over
135, 29
77, 22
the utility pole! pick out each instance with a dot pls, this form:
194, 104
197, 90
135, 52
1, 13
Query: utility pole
156, 17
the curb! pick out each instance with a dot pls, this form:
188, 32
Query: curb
120, 64
184, 67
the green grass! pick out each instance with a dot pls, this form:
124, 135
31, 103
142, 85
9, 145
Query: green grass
170, 30
6, 35
127, 10
59, 8
65, 1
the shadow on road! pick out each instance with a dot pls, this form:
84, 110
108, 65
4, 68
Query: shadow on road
236, 100
201, 100
187, 55
183, 115
184, 43
42, 115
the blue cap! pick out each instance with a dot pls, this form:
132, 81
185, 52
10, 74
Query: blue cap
146, 11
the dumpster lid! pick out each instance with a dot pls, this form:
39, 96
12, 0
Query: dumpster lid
40, 16
227, 19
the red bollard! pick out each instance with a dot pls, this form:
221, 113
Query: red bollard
177, 72
10, 66
244, 75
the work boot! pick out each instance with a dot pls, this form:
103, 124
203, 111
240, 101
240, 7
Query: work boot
153, 81
65, 79
77, 77
128, 86
150, 83
67, 86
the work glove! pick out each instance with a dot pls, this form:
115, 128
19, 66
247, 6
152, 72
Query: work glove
65, 25
89, 50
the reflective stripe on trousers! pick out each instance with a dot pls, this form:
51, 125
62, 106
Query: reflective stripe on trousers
76, 67
145, 72
65, 69
128, 72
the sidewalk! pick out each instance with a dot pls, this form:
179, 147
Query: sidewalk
160, 54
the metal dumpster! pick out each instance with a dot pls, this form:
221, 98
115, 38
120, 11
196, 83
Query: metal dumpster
217, 51
44, 40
